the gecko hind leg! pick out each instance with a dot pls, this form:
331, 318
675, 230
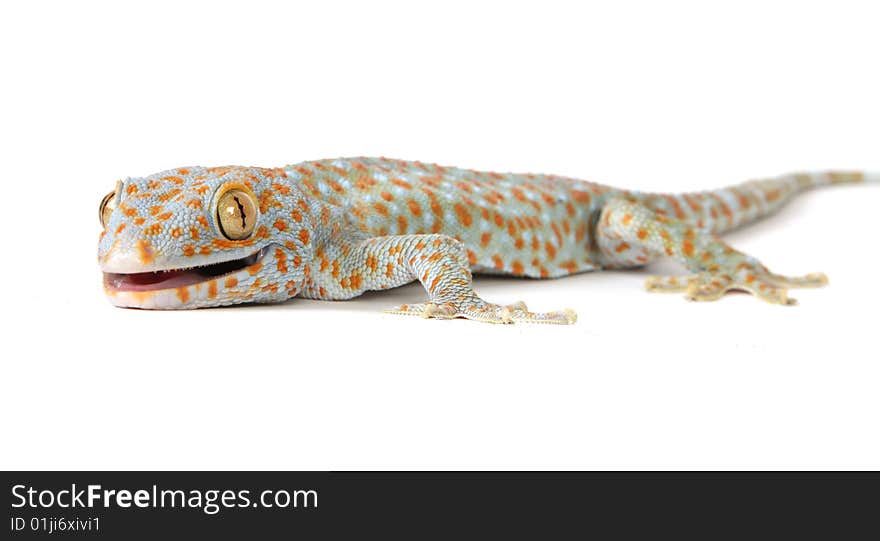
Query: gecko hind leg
629, 231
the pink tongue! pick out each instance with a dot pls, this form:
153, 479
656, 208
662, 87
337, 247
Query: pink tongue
148, 281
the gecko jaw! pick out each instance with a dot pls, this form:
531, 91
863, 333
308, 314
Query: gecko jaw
180, 277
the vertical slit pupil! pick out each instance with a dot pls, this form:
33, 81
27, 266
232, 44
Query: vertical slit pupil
241, 210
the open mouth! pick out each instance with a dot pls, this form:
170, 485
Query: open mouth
173, 278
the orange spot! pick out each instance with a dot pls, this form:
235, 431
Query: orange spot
569, 265
687, 247
550, 249
485, 238
188, 250
194, 233
557, 233
212, 289
622, 247
205, 250
304, 236
381, 208
280, 225
386, 196
255, 268
580, 197
627, 218
165, 197
145, 251
517, 267
642, 234
183, 294
414, 207
463, 215
499, 263
335, 186
120, 228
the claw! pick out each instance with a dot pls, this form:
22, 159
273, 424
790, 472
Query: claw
668, 284
486, 312
768, 287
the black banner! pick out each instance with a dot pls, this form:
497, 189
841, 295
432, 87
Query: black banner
330, 505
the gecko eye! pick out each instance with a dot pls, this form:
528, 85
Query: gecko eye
236, 214
106, 208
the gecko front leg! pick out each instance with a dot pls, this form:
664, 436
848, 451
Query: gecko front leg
439, 262
630, 234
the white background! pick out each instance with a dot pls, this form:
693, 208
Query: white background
648, 95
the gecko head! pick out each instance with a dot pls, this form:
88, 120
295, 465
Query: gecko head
195, 237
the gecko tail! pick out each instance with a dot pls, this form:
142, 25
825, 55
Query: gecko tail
735, 206
829, 178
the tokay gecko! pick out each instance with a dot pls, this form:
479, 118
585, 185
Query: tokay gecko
197, 237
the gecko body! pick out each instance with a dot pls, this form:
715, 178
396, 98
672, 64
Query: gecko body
196, 237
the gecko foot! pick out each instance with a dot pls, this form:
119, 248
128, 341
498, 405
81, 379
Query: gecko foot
751, 277
485, 312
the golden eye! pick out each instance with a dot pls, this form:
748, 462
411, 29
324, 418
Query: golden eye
236, 214
106, 208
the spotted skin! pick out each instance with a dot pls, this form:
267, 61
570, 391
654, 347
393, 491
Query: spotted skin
333, 229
